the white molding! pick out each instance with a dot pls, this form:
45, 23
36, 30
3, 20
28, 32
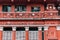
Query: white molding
50, 11
20, 25
1, 28
57, 27
26, 18
46, 27
14, 28
21, 18
39, 28
26, 28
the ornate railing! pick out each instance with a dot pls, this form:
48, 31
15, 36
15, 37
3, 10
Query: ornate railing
29, 15
51, 15
20, 15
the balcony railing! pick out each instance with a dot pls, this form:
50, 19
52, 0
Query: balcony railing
21, 15
51, 15
29, 15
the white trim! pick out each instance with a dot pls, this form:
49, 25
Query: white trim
51, 24
21, 18
1, 28
27, 25
50, 18
39, 28
26, 28
58, 28
14, 28
21, 25
46, 27
26, 18
50, 11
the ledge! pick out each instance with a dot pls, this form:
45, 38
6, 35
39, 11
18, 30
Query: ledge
29, 18
20, 18
52, 38
20, 25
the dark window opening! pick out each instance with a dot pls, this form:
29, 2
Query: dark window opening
58, 13
33, 28
58, 8
6, 8
42, 28
7, 28
35, 9
45, 6
20, 29
20, 8
42, 33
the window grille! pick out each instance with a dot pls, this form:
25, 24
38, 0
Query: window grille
33, 33
20, 8
20, 33
7, 35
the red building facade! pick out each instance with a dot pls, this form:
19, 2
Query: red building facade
29, 19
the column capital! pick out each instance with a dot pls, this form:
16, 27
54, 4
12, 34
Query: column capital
1, 28
57, 27
46, 27
26, 28
14, 28
39, 28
